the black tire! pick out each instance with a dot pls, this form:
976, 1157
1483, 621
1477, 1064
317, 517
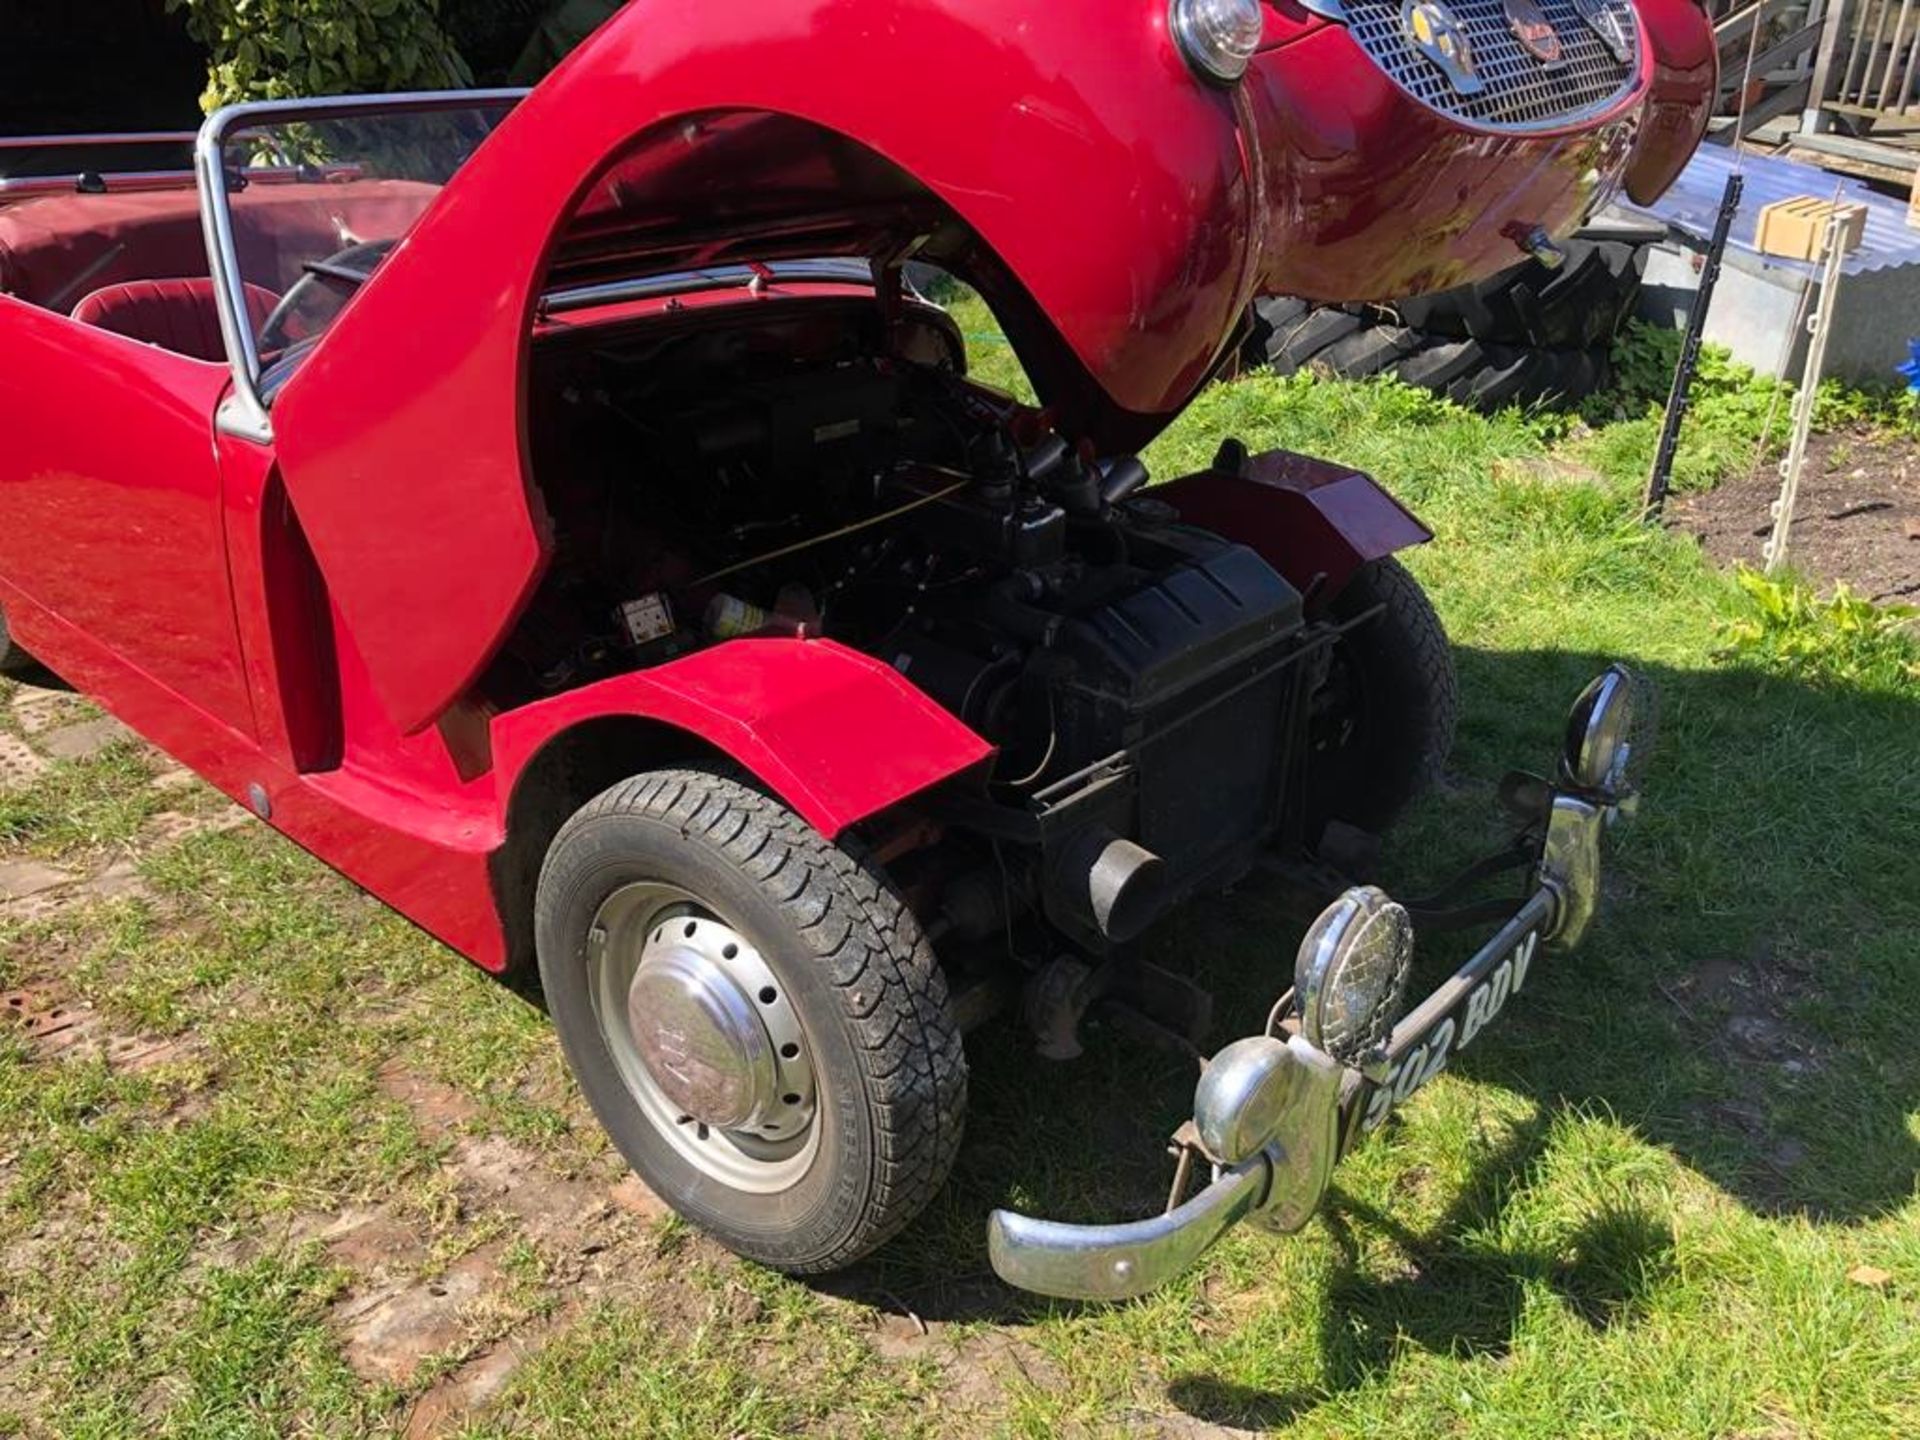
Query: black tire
1440, 364
1585, 302
1384, 724
15, 662
1526, 336
1467, 372
1271, 315
1504, 379
1516, 376
1513, 375
855, 967
1578, 306
1296, 344
1372, 350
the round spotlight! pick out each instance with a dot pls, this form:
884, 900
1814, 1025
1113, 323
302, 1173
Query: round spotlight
1351, 973
1217, 37
1609, 734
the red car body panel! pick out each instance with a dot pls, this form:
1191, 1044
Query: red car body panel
1369, 219
1680, 93
302, 621
1310, 519
154, 582
836, 733
833, 732
423, 849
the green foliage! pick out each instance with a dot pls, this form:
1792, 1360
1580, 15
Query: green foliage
1888, 407
279, 49
1731, 411
1843, 639
1724, 390
1735, 418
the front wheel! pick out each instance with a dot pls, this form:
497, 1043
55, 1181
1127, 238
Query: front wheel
754, 1016
1382, 726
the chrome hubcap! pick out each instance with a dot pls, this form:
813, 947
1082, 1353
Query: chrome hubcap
702, 1032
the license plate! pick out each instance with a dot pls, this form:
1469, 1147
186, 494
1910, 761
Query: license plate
1421, 1057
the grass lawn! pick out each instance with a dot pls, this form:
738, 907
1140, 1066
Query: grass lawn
303, 1171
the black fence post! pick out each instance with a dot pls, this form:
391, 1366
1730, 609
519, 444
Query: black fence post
1662, 476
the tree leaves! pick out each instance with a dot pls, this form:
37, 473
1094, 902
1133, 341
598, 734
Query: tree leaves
273, 49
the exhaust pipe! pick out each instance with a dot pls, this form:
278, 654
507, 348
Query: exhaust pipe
1109, 882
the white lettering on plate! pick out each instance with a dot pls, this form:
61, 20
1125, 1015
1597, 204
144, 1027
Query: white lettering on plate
1428, 1058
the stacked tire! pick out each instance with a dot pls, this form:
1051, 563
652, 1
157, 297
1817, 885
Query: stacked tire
1527, 336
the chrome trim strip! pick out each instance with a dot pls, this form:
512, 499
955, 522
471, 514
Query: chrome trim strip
234, 417
1241, 1095
16, 186
1565, 120
244, 413
1535, 913
114, 181
1305, 1143
1187, 42
1313, 1105
1570, 867
98, 137
683, 282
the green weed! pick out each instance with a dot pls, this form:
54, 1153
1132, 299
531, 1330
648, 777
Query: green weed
1840, 640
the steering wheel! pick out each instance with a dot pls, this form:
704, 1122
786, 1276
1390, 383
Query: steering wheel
335, 277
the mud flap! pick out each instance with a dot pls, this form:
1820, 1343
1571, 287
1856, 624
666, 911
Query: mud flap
1312, 520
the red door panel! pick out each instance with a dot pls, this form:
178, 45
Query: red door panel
110, 511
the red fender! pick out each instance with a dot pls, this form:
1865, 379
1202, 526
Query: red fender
1686, 78
1309, 519
835, 734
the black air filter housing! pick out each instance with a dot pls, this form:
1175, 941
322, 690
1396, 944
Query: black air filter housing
1186, 673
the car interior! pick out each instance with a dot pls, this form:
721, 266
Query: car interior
135, 262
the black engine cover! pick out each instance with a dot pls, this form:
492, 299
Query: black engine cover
1187, 674
1179, 628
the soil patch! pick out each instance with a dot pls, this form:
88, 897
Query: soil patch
1858, 517
390, 1331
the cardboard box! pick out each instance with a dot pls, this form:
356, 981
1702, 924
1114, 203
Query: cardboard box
1796, 229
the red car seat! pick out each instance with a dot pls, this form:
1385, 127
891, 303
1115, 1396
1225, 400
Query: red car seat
176, 315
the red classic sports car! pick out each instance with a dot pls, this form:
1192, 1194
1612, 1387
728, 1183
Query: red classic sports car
557, 512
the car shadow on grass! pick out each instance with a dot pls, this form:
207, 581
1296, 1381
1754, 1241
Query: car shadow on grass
1745, 1000
1449, 1293
1743, 1006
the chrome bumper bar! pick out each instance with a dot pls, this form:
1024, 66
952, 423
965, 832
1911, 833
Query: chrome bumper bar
1285, 1112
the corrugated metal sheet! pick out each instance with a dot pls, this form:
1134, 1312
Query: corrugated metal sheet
1694, 201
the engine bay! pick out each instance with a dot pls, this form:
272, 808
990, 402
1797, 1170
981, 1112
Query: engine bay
1139, 678
714, 483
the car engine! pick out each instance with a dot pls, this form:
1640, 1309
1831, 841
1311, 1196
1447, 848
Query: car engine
1032, 589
